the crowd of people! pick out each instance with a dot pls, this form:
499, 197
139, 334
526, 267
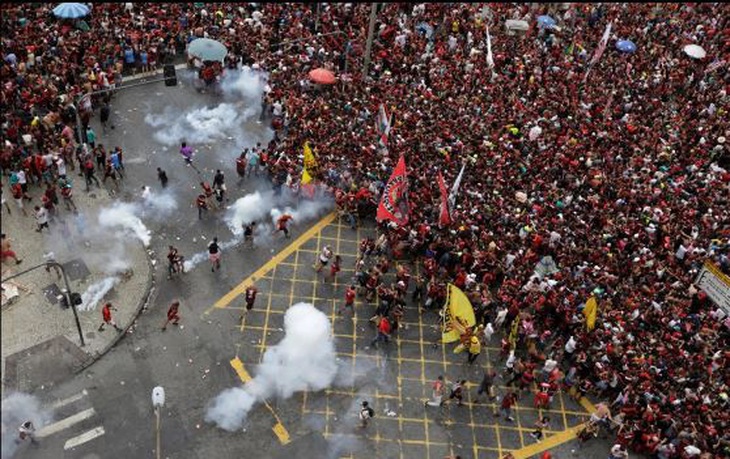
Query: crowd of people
618, 175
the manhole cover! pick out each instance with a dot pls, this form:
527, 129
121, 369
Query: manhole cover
76, 269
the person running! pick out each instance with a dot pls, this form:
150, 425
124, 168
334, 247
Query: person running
89, 174
202, 203
106, 314
383, 334
437, 392
334, 269
250, 297
487, 384
67, 194
187, 153
366, 414
324, 257
174, 262
7, 251
241, 167
173, 316
541, 424
350, 294
41, 217
282, 224
457, 392
508, 402
214, 254
104, 113
162, 176
27, 431
248, 235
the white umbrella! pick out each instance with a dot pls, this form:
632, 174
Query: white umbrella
695, 51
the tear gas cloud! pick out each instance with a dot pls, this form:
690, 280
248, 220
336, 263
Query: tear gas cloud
303, 360
18, 408
242, 91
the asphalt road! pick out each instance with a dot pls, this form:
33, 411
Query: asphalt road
191, 362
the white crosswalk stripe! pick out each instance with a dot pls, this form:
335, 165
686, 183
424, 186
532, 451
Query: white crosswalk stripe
76, 423
84, 437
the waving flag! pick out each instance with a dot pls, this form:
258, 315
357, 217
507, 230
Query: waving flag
383, 126
444, 217
394, 203
591, 311
310, 164
490, 59
458, 315
455, 188
599, 51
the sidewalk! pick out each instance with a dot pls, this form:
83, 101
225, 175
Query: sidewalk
40, 340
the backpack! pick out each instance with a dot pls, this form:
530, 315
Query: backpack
371, 412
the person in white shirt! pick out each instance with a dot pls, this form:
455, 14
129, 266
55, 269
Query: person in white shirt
41, 216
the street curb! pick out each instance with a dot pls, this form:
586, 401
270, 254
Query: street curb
142, 305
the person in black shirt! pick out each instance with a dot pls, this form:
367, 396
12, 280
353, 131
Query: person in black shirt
162, 175
248, 234
214, 254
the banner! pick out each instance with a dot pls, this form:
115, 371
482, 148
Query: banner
599, 51
383, 127
310, 164
591, 311
490, 58
444, 217
458, 315
455, 188
394, 203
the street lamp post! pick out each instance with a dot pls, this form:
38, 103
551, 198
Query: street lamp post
369, 45
158, 400
67, 291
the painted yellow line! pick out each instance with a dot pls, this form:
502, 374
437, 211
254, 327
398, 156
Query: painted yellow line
554, 440
549, 442
279, 430
269, 265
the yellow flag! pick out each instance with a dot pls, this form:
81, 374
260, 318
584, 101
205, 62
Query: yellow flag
513, 333
458, 315
310, 163
590, 311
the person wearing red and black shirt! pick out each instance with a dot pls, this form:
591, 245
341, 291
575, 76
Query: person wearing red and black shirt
383, 332
350, 294
106, 314
172, 315
250, 296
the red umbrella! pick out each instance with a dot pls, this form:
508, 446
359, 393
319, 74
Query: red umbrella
322, 76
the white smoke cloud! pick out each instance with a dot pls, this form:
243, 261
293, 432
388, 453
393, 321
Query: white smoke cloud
96, 292
303, 360
122, 215
242, 91
18, 408
161, 203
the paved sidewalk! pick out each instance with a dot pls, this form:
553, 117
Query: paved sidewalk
40, 341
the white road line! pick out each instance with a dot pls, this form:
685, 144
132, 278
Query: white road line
69, 400
84, 437
65, 423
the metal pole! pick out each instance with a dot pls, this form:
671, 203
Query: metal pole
70, 303
316, 19
55, 264
369, 45
157, 414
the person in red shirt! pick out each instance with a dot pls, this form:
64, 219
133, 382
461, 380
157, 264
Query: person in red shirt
106, 314
383, 332
282, 224
508, 402
350, 294
172, 315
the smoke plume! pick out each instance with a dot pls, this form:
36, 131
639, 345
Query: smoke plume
303, 360
96, 292
17, 408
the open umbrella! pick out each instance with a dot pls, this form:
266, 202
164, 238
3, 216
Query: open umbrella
626, 46
425, 28
206, 49
70, 10
322, 76
546, 22
695, 51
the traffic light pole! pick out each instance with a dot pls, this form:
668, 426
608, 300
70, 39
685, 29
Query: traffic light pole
54, 264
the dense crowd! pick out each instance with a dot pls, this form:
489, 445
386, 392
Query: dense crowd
622, 179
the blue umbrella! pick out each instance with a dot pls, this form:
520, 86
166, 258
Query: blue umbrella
206, 49
626, 46
425, 28
546, 22
70, 10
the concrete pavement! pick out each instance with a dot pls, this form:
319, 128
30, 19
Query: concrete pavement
40, 340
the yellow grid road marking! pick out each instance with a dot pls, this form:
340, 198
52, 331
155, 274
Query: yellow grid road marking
279, 430
269, 265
